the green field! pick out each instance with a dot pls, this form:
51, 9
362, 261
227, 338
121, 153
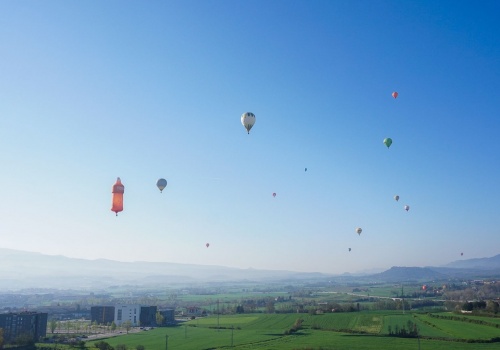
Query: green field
356, 330
461, 329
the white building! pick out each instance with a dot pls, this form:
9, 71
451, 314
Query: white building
130, 313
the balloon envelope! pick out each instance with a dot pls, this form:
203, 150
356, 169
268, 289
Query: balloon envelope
248, 120
359, 230
395, 94
117, 196
388, 142
207, 245
349, 249
161, 184
407, 207
396, 197
274, 194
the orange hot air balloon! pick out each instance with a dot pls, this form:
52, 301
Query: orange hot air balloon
117, 192
424, 287
395, 94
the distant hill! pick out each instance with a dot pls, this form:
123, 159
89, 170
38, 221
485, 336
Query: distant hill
408, 274
482, 263
466, 269
19, 269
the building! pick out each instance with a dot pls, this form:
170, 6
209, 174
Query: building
102, 314
193, 311
23, 324
144, 316
148, 316
168, 317
125, 313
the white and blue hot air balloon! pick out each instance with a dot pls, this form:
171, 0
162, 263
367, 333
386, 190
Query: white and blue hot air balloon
248, 120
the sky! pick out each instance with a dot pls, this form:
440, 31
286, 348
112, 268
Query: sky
95, 90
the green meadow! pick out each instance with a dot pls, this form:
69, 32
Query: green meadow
355, 330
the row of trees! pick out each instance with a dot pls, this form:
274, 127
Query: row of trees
490, 306
295, 327
473, 292
86, 327
410, 331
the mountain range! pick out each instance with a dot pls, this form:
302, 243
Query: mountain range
21, 270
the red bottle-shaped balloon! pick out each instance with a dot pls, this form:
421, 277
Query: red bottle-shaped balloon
117, 192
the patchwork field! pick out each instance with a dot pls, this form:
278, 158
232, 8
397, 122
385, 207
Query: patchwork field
356, 330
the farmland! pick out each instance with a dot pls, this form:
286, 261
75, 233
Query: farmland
354, 330
298, 317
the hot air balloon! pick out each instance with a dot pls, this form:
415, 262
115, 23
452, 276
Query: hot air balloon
424, 287
161, 184
117, 191
396, 197
207, 245
407, 207
388, 142
395, 94
461, 254
274, 194
349, 249
358, 230
305, 169
248, 120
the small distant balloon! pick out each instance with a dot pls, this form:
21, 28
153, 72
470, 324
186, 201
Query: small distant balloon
207, 245
161, 184
462, 254
349, 249
407, 207
248, 120
388, 142
305, 169
396, 197
424, 287
274, 194
359, 230
395, 94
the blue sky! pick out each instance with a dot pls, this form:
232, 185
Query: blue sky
93, 90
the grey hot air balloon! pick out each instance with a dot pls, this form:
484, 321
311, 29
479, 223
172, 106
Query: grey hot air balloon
161, 184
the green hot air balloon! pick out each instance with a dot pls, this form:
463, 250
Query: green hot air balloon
388, 142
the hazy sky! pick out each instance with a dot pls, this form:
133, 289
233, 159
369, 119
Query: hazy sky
93, 90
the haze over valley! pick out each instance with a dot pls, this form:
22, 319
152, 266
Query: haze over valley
19, 269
